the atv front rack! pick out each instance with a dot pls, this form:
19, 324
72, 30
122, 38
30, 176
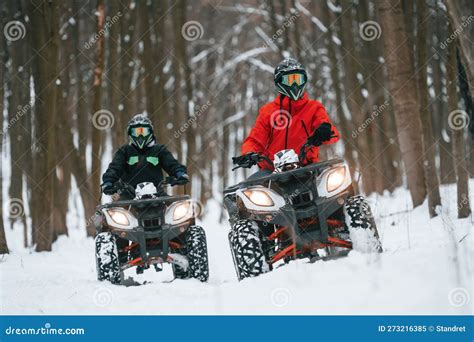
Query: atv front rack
301, 172
142, 203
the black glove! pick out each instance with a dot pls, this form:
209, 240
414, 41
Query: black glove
181, 178
321, 134
109, 189
247, 160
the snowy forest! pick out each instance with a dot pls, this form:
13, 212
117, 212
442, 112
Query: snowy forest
396, 78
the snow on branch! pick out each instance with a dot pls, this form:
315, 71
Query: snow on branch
245, 56
316, 21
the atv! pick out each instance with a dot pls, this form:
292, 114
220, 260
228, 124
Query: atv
296, 212
147, 227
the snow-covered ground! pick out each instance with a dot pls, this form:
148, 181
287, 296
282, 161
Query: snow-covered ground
426, 268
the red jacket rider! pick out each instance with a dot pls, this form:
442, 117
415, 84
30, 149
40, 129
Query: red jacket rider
288, 121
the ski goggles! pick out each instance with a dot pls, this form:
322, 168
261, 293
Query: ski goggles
290, 79
140, 130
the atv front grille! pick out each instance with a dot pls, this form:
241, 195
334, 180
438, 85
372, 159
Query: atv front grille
302, 199
151, 223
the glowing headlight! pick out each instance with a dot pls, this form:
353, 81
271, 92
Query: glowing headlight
119, 217
259, 197
180, 211
336, 179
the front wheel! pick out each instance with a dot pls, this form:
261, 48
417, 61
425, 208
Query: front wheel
107, 258
246, 249
196, 247
361, 225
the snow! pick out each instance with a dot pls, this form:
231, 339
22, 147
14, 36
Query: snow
426, 268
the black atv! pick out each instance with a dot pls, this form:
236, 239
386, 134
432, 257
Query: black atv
149, 228
295, 212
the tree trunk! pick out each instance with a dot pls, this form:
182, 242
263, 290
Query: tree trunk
447, 174
429, 145
403, 92
114, 70
296, 34
65, 148
3, 240
354, 98
45, 28
82, 108
161, 104
19, 85
460, 13
270, 4
147, 55
286, 34
128, 30
179, 109
97, 106
344, 125
459, 152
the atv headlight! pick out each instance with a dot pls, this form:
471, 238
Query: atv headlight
120, 218
182, 211
336, 178
259, 197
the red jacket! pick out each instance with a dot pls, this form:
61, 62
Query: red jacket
287, 125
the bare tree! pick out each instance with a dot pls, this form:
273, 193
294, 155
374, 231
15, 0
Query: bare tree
429, 145
457, 11
45, 24
97, 105
3, 240
353, 95
459, 152
403, 91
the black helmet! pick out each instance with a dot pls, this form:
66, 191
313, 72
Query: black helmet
290, 78
140, 131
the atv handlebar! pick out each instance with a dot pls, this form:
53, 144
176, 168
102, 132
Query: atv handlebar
125, 188
172, 181
254, 157
308, 144
250, 160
